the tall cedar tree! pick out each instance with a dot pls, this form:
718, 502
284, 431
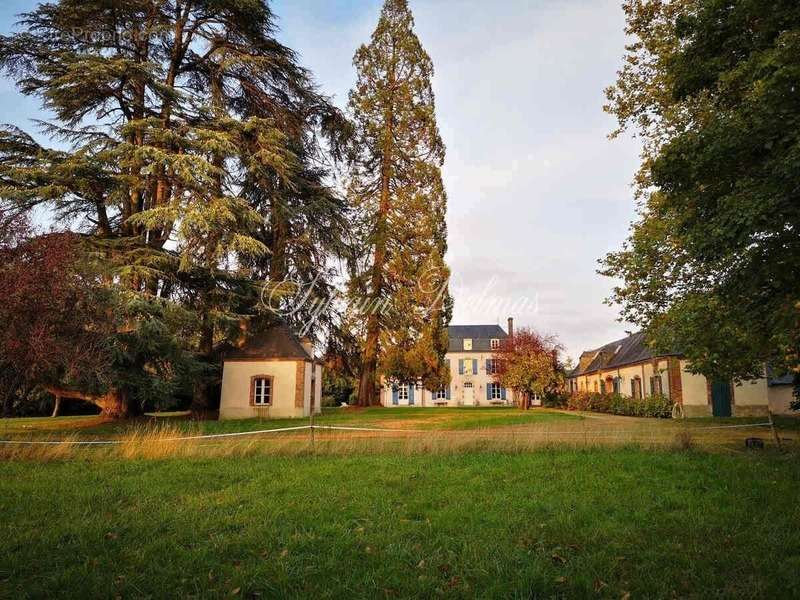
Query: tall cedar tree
400, 278
710, 268
194, 156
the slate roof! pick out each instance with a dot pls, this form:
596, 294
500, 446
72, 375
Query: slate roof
276, 341
787, 379
619, 353
481, 336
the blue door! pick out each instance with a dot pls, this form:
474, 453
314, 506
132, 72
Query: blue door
721, 399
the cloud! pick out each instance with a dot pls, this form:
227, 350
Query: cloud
537, 193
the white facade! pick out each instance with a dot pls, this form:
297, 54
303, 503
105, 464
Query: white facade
471, 380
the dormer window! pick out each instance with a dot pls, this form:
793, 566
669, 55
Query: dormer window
468, 344
494, 344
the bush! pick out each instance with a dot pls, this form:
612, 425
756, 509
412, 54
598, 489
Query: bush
617, 404
555, 400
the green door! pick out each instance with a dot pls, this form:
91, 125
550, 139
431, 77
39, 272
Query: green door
721, 399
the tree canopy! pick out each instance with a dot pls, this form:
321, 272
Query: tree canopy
194, 159
710, 267
397, 191
528, 363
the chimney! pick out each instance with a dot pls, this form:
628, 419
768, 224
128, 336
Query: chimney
510, 326
308, 345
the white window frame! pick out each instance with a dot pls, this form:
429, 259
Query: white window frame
262, 391
467, 343
468, 384
494, 392
440, 394
494, 344
491, 366
402, 389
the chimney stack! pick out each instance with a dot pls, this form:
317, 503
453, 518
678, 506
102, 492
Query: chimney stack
510, 326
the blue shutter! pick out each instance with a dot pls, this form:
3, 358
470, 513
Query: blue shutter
474, 366
489, 391
460, 366
447, 393
502, 393
488, 366
394, 395
411, 394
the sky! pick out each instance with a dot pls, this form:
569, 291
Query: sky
537, 193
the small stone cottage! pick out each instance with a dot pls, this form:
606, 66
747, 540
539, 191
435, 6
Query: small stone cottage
271, 374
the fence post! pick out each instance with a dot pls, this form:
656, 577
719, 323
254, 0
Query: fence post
774, 431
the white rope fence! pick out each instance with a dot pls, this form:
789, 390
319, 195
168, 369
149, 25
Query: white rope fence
514, 431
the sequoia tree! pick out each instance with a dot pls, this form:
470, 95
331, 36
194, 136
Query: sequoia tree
710, 267
188, 133
399, 277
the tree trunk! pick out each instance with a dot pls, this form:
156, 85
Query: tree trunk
366, 386
8, 402
114, 404
57, 406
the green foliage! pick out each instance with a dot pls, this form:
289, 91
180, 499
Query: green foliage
337, 388
618, 404
196, 153
397, 192
709, 267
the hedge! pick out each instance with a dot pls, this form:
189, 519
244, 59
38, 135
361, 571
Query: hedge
617, 404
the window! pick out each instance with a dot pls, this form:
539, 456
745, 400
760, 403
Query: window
468, 385
440, 394
467, 344
402, 393
491, 366
595, 387
261, 390
636, 388
656, 386
494, 391
494, 344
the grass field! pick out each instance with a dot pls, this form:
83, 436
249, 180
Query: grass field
558, 522
403, 418
448, 502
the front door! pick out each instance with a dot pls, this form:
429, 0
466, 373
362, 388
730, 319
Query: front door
469, 394
721, 399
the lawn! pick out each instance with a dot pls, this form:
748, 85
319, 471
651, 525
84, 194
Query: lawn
557, 522
379, 417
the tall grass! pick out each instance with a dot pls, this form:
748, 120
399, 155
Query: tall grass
162, 441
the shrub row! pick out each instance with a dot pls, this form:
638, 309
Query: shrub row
617, 404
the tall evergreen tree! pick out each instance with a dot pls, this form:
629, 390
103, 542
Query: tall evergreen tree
188, 128
400, 277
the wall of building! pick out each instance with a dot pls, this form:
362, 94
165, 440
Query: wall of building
695, 393
235, 398
750, 398
459, 394
780, 399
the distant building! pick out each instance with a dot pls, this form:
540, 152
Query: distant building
628, 367
470, 358
270, 375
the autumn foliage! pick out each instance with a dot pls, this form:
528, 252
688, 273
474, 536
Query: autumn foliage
528, 363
